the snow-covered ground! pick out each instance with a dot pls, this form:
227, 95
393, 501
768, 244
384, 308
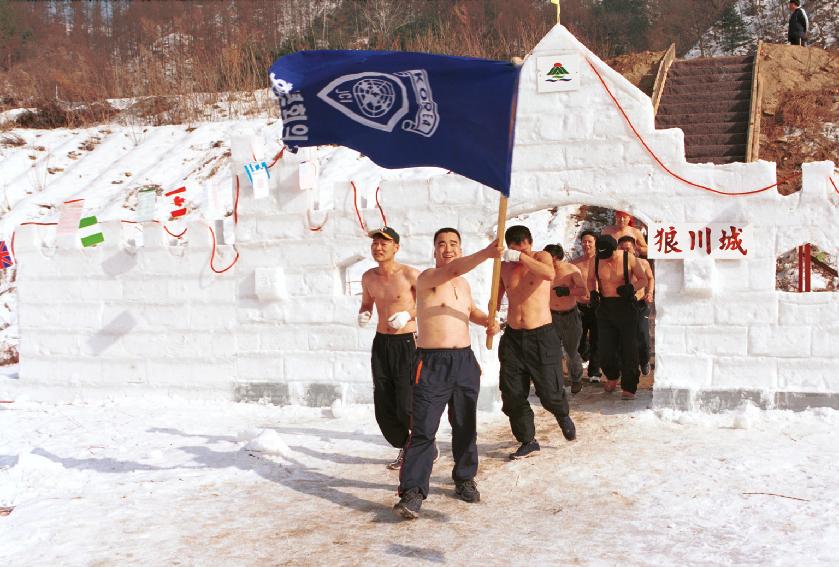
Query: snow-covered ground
157, 482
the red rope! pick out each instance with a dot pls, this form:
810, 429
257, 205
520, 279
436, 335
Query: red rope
830, 178
316, 228
236, 203
213, 254
355, 204
175, 235
660, 163
381, 211
277, 158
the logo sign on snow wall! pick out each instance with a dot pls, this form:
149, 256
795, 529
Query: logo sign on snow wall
403, 109
558, 72
728, 241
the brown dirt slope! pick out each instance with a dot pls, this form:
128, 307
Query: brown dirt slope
638, 68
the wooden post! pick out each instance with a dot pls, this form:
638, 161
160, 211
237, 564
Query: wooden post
496, 265
557, 11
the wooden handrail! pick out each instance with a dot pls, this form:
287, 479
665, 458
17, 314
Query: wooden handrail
755, 107
661, 75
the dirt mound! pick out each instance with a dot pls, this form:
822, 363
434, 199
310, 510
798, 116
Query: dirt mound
800, 106
638, 68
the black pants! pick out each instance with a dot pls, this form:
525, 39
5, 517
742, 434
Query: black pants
588, 340
617, 321
392, 361
796, 39
525, 355
643, 332
442, 376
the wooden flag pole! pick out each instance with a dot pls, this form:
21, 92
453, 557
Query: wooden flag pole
496, 265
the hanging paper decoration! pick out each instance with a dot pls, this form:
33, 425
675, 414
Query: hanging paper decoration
258, 175
146, 199
307, 175
5, 257
178, 201
68, 217
89, 231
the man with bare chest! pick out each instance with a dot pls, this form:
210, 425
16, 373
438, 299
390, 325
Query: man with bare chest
568, 286
588, 313
445, 373
643, 299
623, 227
391, 287
529, 348
616, 278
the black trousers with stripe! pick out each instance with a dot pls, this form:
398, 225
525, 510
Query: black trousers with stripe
392, 361
442, 376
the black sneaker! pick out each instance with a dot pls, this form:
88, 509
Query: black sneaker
467, 490
576, 387
409, 505
645, 369
569, 430
526, 450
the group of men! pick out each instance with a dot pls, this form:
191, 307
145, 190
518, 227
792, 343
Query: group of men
422, 359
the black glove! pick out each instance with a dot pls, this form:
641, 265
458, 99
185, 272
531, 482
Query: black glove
594, 299
562, 291
626, 291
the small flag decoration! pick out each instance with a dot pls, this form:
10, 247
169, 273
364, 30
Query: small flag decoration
89, 231
145, 205
258, 174
68, 217
178, 202
5, 257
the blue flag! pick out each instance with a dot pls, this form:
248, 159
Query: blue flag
403, 109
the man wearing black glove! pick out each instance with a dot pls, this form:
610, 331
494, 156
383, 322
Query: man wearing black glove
568, 286
617, 317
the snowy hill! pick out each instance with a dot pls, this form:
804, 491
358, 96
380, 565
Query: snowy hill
738, 30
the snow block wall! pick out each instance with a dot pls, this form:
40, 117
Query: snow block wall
281, 324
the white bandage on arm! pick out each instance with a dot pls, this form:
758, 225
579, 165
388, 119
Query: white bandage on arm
364, 318
510, 255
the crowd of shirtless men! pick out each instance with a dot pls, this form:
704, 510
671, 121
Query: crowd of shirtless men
595, 307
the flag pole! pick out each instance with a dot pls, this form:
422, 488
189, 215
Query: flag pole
496, 265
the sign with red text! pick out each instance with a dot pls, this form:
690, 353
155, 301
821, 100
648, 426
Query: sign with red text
726, 241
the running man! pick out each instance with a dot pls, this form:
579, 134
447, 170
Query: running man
588, 313
623, 227
568, 286
529, 348
446, 372
391, 287
643, 299
617, 318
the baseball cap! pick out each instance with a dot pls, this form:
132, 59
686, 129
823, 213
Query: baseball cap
385, 232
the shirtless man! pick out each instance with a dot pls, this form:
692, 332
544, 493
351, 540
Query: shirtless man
446, 372
622, 227
529, 348
588, 313
568, 285
643, 299
617, 318
392, 288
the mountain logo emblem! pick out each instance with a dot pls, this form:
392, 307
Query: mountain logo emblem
558, 73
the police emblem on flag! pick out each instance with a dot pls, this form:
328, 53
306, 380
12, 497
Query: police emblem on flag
5, 257
381, 100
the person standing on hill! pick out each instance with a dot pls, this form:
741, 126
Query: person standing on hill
799, 24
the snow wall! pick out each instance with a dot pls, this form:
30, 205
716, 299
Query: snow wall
280, 325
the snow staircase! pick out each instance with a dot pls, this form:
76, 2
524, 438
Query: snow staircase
709, 99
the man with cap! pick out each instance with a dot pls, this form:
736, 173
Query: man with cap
391, 287
643, 298
529, 349
615, 279
623, 227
